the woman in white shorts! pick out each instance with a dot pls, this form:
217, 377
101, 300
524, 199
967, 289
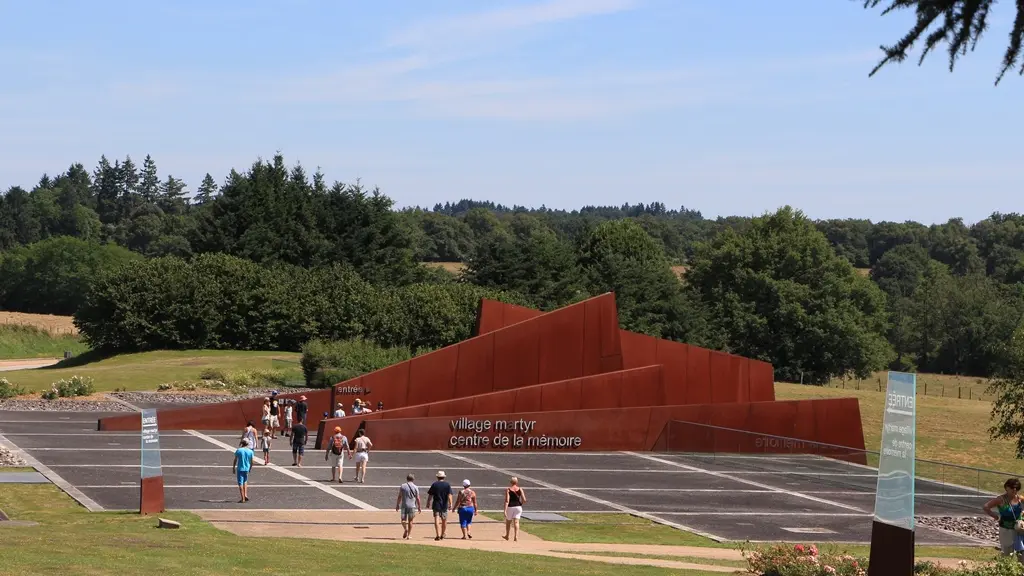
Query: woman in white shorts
363, 445
514, 500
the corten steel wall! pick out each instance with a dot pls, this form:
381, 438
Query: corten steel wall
680, 436
219, 416
151, 495
570, 342
621, 389
835, 422
613, 429
702, 375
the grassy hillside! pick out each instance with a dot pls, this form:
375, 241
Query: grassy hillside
147, 370
948, 430
22, 341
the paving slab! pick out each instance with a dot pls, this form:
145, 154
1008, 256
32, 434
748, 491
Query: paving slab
22, 478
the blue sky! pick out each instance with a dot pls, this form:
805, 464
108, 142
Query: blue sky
725, 106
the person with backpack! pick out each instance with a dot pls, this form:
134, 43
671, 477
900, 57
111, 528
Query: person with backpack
335, 448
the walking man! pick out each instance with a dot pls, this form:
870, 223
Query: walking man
241, 467
408, 504
299, 436
301, 408
337, 446
275, 416
439, 498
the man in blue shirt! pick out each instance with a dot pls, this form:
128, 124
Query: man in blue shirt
439, 499
241, 468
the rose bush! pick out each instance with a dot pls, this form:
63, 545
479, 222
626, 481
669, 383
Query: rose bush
801, 560
808, 560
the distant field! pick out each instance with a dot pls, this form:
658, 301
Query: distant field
459, 267
863, 271
943, 385
147, 370
21, 342
46, 322
948, 430
453, 267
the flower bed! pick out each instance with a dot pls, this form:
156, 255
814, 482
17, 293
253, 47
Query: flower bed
801, 560
808, 560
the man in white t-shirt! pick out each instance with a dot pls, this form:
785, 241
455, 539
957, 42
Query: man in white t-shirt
339, 411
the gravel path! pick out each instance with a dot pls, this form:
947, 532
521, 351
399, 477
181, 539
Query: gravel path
976, 526
64, 405
194, 398
8, 459
104, 402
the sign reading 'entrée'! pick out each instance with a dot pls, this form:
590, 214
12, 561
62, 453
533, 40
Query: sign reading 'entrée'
894, 497
470, 433
150, 445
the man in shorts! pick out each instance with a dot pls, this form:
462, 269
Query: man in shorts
299, 437
336, 448
241, 467
275, 410
439, 499
408, 504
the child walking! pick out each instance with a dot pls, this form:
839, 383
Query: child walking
288, 420
265, 444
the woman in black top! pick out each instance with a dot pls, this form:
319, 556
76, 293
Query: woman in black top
514, 500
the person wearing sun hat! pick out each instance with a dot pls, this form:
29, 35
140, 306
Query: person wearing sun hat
336, 447
439, 500
465, 503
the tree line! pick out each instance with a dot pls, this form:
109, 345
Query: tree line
273, 257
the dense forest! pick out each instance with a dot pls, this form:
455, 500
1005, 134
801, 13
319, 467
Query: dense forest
273, 256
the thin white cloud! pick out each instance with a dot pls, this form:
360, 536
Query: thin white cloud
421, 76
484, 25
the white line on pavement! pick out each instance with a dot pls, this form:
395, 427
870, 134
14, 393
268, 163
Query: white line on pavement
327, 489
582, 496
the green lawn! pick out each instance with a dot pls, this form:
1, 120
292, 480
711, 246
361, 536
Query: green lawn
690, 559
18, 342
610, 528
109, 544
147, 370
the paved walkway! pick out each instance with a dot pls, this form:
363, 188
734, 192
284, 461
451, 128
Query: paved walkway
380, 527
383, 527
9, 365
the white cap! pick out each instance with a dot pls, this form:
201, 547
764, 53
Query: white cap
465, 483
440, 473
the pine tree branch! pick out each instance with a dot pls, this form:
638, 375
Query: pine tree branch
958, 23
